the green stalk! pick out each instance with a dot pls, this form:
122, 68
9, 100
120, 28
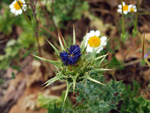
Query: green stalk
27, 19
123, 28
135, 30
136, 18
37, 28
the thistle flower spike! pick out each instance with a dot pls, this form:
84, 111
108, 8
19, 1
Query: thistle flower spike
74, 65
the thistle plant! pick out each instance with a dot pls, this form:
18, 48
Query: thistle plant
74, 64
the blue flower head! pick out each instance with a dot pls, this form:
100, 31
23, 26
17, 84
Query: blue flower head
72, 56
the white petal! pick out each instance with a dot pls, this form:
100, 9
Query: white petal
87, 35
103, 41
24, 5
10, 6
92, 32
22, 1
16, 13
89, 49
13, 10
24, 8
120, 6
125, 12
103, 38
100, 50
20, 11
135, 10
97, 33
123, 3
119, 10
129, 6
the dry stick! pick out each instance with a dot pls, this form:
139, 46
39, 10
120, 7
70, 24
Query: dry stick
144, 13
37, 37
24, 13
47, 15
36, 31
41, 26
143, 46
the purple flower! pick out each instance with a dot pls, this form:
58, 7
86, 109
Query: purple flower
72, 56
146, 54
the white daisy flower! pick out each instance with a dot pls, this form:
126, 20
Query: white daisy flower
125, 8
132, 8
15, 7
94, 41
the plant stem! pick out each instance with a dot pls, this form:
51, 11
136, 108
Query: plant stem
136, 18
123, 28
37, 36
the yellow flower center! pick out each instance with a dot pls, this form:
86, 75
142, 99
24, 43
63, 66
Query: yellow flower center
94, 41
132, 9
17, 5
125, 8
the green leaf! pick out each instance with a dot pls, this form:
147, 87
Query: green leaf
57, 64
61, 45
124, 36
2, 81
86, 76
64, 43
82, 46
11, 43
74, 78
13, 75
52, 80
67, 91
56, 50
18, 68
99, 70
103, 56
134, 32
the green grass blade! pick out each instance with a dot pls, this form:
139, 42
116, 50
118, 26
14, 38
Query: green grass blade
56, 50
61, 45
67, 91
93, 80
57, 64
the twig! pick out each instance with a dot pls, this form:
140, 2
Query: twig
41, 26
